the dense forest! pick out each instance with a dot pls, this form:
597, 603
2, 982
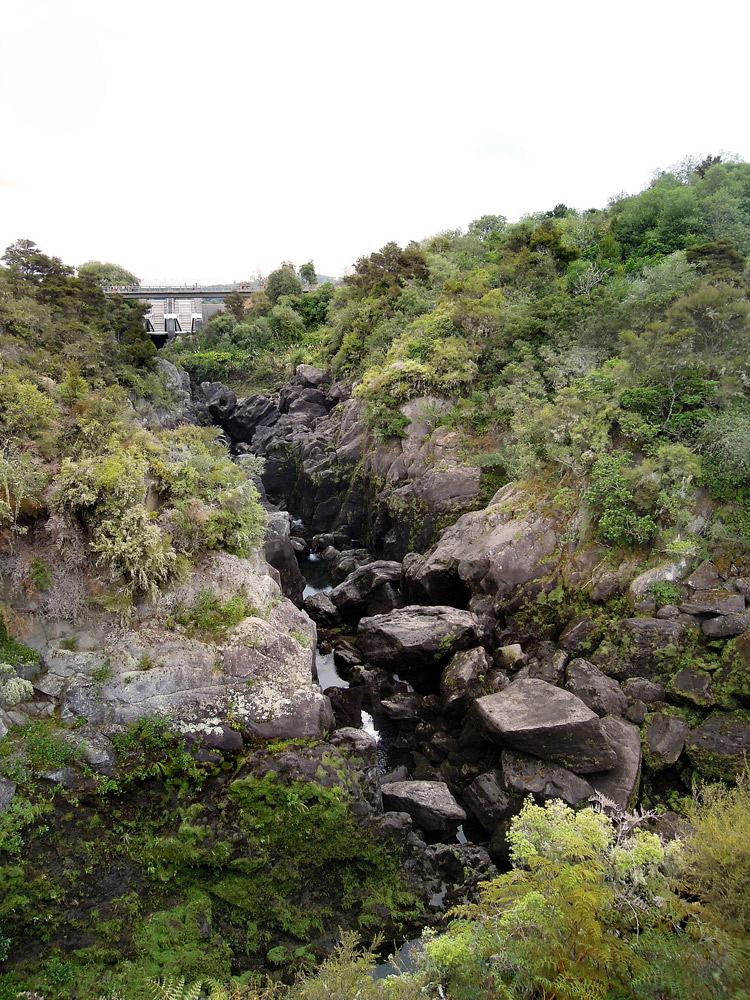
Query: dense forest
600, 358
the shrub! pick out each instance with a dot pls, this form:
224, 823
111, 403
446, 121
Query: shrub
132, 545
717, 857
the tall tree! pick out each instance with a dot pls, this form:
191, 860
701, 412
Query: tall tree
283, 281
308, 275
105, 273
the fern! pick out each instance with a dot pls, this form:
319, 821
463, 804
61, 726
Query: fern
175, 989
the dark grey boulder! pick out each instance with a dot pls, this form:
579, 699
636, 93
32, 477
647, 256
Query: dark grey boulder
719, 748
347, 705
416, 636
665, 739
360, 742
621, 783
94, 749
602, 694
489, 801
642, 689
727, 625
280, 553
641, 647
525, 775
692, 686
321, 609
250, 414
713, 602
705, 577
352, 596
429, 803
581, 635
545, 721
461, 681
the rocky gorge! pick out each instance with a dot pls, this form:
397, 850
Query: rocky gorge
513, 653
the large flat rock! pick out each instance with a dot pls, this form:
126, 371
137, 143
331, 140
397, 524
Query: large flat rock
429, 803
545, 721
416, 636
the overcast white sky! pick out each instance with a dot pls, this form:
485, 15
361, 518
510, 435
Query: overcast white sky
200, 141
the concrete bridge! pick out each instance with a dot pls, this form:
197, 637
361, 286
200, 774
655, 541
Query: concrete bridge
148, 293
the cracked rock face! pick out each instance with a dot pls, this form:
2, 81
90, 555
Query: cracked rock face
545, 721
256, 677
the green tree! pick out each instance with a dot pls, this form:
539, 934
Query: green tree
105, 273
234, 303
25, 258
283, 281
308, 275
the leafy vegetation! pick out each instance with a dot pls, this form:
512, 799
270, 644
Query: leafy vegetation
80, 448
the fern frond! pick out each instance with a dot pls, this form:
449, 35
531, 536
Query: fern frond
175, 989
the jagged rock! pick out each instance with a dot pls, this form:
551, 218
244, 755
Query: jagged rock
358, 740
545, 721
416, 636
621, 783
720, 746
636, 712
462, 679
489, 801
524, 775
641, 586
321, 609
642, 689
602, 694
347, 705
429, 803
346, 656
280, 553
487, 552
551, 669
640, 647
512, 656
665, 739
668, 612
726, 626
242, 421
402, 707
743, 587
348, 561
713, 602
7, 791
95, 749
580, 635
704, 578
692, 686
352, 596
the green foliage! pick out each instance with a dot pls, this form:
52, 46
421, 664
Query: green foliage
104, 273
210, 618
611, 502
665, 592
716, 865
283, 281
